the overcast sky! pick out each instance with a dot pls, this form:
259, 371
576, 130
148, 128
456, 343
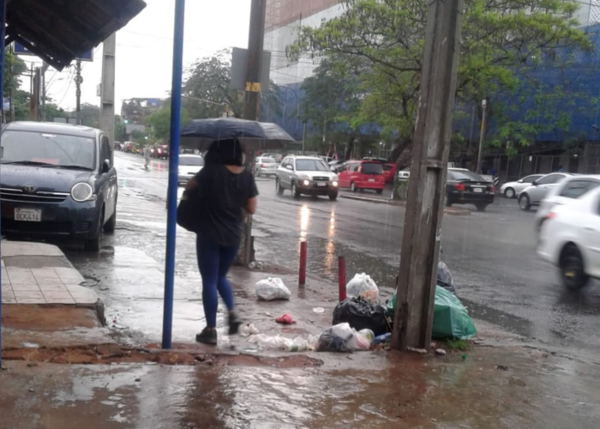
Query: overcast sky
145, 46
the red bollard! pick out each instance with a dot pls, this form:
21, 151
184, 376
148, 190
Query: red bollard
342, 278
302, 275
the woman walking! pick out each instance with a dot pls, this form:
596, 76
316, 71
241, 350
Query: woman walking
225, 190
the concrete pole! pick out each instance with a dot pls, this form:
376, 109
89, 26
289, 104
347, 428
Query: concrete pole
252, 105
107, 88
78, 81
481, 135
422, 226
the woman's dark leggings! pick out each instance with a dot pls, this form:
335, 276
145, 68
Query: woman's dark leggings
214, 262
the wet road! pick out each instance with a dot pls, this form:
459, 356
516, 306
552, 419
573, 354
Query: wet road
492, 256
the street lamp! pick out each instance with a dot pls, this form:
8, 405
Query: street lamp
380, 147
481, 134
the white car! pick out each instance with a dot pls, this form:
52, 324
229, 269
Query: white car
534, 194
513, 189
265, 166
189, 166
306, 175
570, 239
571, 188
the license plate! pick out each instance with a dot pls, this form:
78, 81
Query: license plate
28, 215
478, 190
371, 180
321, 184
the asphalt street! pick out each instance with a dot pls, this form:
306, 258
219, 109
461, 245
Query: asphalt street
491, 255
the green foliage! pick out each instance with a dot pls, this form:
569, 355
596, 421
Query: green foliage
207, 92
381, 41
160, 122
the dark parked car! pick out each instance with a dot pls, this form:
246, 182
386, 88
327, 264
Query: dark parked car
58, 180
465, 187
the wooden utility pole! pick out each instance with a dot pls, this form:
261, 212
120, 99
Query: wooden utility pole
34, 109
252, 104
431, 145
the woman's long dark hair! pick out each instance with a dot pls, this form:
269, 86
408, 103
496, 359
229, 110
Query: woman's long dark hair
225, 152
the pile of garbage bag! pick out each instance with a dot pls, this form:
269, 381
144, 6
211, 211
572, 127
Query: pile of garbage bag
444, 277
361, 314
343, 338
451, 319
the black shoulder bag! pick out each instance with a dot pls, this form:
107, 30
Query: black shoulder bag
188, 211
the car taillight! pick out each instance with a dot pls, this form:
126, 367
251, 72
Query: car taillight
262, 165
459, 187
550, 215
360, 169
491, 189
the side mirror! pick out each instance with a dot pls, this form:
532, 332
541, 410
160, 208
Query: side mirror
520, 181
535, 183
289, 167
106, 166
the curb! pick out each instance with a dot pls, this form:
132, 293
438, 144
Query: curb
390, 202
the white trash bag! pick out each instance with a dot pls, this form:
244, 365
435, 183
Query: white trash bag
272, 289
363, 285
298, 344
343, 338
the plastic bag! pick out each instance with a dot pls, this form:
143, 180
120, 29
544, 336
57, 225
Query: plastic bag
451, 319
298, 344
444, 277
342, 338
271, 289
361, 314
363, 285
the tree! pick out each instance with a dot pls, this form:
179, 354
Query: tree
385, 37
160, 121
207, 93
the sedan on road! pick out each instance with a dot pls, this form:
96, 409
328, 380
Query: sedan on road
465, 187
58, 180
265, 166
306, 175
513, 189
569, 189
570, 239
534, 194
189, 166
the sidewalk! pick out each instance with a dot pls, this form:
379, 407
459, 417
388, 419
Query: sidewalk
66, 370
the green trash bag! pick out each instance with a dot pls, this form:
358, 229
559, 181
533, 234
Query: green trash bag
450, 318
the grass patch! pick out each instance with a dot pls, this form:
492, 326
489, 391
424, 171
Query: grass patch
460, 345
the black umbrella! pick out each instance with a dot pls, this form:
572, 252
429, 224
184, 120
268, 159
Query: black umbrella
254, 135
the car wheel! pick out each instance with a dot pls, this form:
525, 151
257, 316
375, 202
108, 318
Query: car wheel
111, 225
524, 203
353, 187
572, 269
333, 196
509, 193
481, 207
295, 191
380, 191
93, 244
278, 187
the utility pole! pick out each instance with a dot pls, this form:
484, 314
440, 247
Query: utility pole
481, 134
303, 138
34, 110
78, 81
416, 280
107, 87
45, 66
252, 104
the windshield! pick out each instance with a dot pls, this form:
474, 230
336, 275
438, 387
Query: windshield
311, 165
464, 176
371, 168
268, 160
58, 150
194, 161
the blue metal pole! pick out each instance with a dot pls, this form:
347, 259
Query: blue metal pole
173, 167
2, 55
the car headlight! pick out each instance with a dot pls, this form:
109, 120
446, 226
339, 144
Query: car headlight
306, 182
82, 192
334, 183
